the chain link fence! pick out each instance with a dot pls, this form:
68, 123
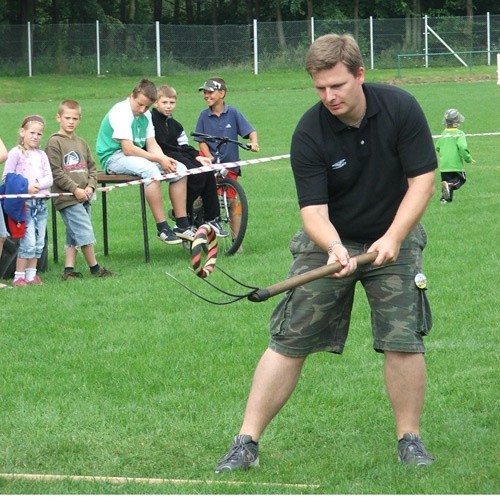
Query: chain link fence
131, 50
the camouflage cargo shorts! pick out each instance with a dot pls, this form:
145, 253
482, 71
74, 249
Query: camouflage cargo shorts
316, 316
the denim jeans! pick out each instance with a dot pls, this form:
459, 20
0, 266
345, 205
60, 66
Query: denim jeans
31, 246
3, 228
79, 230
119, 163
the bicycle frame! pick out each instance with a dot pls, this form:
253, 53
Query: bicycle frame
220, 141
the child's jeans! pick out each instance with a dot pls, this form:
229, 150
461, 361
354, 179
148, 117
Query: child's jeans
79, 230
31, 246
3, 228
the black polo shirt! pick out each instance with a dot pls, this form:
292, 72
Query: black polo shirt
362, 173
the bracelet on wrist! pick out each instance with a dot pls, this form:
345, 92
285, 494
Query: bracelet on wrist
332, 245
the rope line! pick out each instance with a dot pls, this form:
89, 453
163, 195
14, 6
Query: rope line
470, 135
159, 177
194, 171
144, 480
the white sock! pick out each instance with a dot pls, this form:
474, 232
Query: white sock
19, 274
30, 273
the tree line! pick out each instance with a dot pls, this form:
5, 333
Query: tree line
217, 12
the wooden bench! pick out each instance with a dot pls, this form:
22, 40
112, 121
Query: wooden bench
103, 180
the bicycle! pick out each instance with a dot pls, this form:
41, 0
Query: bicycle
232, 198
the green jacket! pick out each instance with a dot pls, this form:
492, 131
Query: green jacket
452, 151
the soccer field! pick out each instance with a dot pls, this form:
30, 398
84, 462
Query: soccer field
135, 379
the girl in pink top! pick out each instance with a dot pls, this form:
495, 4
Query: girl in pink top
29, 161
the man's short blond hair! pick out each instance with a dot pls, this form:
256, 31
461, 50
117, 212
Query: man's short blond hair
329, 50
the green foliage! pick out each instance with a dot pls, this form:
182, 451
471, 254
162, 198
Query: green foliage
221, 11
134, 377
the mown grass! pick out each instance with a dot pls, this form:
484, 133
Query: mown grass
135, 377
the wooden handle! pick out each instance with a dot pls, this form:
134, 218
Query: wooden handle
301, 279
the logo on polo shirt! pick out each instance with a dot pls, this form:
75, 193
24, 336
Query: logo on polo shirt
339, 164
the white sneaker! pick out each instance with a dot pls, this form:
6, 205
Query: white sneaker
185, 234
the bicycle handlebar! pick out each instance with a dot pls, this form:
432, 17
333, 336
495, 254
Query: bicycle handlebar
220, 140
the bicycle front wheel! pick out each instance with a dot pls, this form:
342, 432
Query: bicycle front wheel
233, 214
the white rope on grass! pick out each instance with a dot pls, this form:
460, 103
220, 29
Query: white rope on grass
470, 135
145, 480
159, 177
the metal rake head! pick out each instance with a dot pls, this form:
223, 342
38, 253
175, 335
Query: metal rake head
235, 296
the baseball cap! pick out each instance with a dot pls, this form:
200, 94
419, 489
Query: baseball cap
453, 117
212, 86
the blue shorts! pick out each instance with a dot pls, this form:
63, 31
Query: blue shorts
3, 228
79, 230
31, 246
120, 163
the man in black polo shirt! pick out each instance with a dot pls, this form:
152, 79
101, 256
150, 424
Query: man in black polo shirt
363, 161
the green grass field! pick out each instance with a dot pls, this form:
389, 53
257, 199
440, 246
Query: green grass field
133, 377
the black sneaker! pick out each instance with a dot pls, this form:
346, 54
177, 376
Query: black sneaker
242, 455
168, 237
219, 230
411, 451
186, 233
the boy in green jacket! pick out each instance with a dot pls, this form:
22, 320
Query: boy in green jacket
453, 153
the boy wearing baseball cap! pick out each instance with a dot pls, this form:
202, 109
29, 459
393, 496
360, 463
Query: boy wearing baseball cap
222, 120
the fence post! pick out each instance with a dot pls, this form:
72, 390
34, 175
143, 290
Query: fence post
372, 62
30, 73
312, 29
488, 37
255, 49
426, 44
98, 48
158, 58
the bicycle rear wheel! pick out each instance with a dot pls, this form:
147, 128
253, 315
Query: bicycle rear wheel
233, 214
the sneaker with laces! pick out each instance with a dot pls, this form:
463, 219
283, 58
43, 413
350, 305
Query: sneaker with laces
168, 237
71, 275
217, 227
35, 281
411, 451
103, 273
20, 282
242, 455
185, 233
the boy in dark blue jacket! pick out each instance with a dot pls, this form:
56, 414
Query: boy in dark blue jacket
172, 138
